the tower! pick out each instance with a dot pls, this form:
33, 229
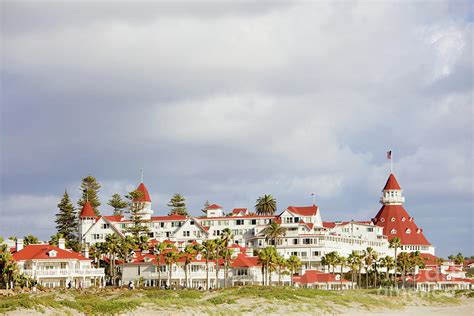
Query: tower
144, 202
87, 218
397, 222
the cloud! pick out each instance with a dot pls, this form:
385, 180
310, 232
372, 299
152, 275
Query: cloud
225, 102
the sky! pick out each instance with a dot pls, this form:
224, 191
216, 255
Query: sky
229, 100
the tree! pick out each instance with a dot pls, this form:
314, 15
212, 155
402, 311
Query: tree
30, 240
189, 253
159, 250
209, 250
404, 262
330, 259
8, 268
281, 264
273, 232
416, 261
66, 222
226, 237
178, 205
293, 263
395, 243
341, 261
90, 192
459, 259
170, 256
266, 257
112, 246
138, 226
353, 262
369, 259
227, 256
118, 204
266, 205
388, 263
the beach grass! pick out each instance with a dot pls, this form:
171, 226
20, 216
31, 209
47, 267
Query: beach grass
237, 300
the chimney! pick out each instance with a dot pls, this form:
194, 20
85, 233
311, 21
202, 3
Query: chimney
19, 244
62, 243
86, 251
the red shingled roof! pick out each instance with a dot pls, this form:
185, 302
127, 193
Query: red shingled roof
239, 210
329, 224
40, 251
392, 183
315, 276
397, 223
173, 217
242, 261
145, 196
87, 210
304, 210
214, 207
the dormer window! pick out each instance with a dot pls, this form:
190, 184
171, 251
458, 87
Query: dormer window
403, 219
418, 231
393, 231
408, 231
52, 253
382, 219
392, 219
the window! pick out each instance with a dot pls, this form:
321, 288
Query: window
186, 233
316, 253
254, 222
392, 219
393, 231
408, 231
294, 253
403, 219
370, 229
297, 219
382, 219
151, 235
239, 222
307, 241
105, 226
295, 241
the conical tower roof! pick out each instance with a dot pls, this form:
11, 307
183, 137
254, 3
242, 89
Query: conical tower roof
392, 183
87, 210
145, 195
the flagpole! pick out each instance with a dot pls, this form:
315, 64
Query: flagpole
391, 161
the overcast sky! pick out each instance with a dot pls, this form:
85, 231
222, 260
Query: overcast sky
225, 101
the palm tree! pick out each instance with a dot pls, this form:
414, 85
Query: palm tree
417, 261
188, 254
281, 264
209, 249
353, 261
293, 263
30, 240
171, 256
266, 205
459, 259
8, 267
159, 250
395, 243
370, 256
439, 261
404, 262
112, 246
227, 256
273, 232
341, 261
330, 259
388, 263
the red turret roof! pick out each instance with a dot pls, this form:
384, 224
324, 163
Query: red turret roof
392, 183
214, 207
146, 196
87, 210
397, 223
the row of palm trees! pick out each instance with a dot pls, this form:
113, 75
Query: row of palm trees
271, 261
369, 262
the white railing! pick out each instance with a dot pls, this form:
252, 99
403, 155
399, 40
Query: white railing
65, 272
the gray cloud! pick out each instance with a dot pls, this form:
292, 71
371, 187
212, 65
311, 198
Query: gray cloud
229, 101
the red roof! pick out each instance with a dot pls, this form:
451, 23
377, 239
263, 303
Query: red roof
429, 259
329, 224
242, 261
115, 218
173, 217
304, 210
40, 251
145, 196
392, 183
214, 207
239, 210
397, 223
432, 276
315, 276
87, 210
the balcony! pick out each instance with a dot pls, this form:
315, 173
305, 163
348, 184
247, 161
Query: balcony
65, 272
392, 200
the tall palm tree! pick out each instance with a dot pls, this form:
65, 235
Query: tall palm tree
395, 243
353, 261
159, 250
8, 267
226, 237
112, 244
404, 262
189, 253
369, 261
330, 260
266, 205
281, 264
341, 262
209, 250
273, 232
416, 262
171, 256
293, 263
388, 263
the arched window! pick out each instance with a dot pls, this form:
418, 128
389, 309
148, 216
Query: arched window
382, 219
408, 231
393, 231
392, 219
403, 219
